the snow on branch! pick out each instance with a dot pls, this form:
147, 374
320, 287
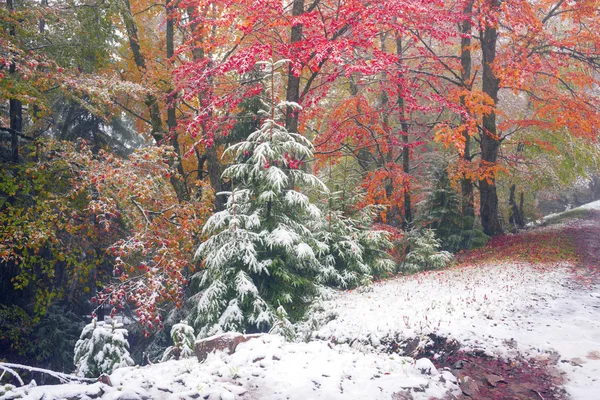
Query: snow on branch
63, 378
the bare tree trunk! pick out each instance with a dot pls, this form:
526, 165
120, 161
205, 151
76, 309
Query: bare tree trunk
468, 207
521, 201
293, 85
151, 100
157, 130
408, 218
211, 158
393, 213
178, 182
15, 106
515, 218
490, 142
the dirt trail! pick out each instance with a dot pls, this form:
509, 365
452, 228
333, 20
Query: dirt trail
586, 235
487, 378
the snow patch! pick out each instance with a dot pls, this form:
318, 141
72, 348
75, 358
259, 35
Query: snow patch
503, 309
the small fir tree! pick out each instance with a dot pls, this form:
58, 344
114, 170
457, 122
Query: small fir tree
356, 252
101, 349
441, 211
424, 251
262, 259
184, 339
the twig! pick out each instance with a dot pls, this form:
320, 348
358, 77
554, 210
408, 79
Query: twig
538, 393
63, 378
12, 372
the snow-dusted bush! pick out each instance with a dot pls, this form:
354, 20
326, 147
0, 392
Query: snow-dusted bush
101, 349
354, 252
424, 251
183, 338
262, 259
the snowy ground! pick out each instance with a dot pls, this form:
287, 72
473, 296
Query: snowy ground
505, 309
269, 368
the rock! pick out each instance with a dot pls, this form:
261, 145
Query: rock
576, 362
402, 396
411, 346
104, 378
493, 380
593, 355
226, 341
469, 386
128, 394
426, 366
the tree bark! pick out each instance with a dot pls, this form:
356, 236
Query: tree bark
490, 141
393, 213
516, 217
293, 84
408, 218
468, 206
213, 164
151, 101
15, 106
178, 182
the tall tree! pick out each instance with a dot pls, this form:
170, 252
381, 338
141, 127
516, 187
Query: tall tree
490, 139
15, 105
467, 203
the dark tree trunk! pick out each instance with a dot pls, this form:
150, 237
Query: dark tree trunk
468, 207
16, 126
210, 158
178, 182
15, 106
214, 175
393, 212
151, 101
521, 201
595, 187
515, 218
408, 218
490, 141
293, 84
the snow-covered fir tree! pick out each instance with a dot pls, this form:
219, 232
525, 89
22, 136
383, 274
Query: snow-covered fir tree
183, 338
424, 251
101, 349
441, 211
356, 252
262, 259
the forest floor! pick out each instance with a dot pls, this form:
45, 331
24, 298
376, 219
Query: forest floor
518, 319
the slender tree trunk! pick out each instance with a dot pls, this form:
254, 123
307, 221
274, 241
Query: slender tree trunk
468, 207
178, 182
490, 141
408, 218
157, 130
134, 43
15, 106
393, 214
515, 218
213, 164
293, 84
521, 201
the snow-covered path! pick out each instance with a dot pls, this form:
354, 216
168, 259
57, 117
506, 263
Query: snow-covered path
504, 309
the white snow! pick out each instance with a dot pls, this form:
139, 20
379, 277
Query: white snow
267, 367
503, 309
594, 205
